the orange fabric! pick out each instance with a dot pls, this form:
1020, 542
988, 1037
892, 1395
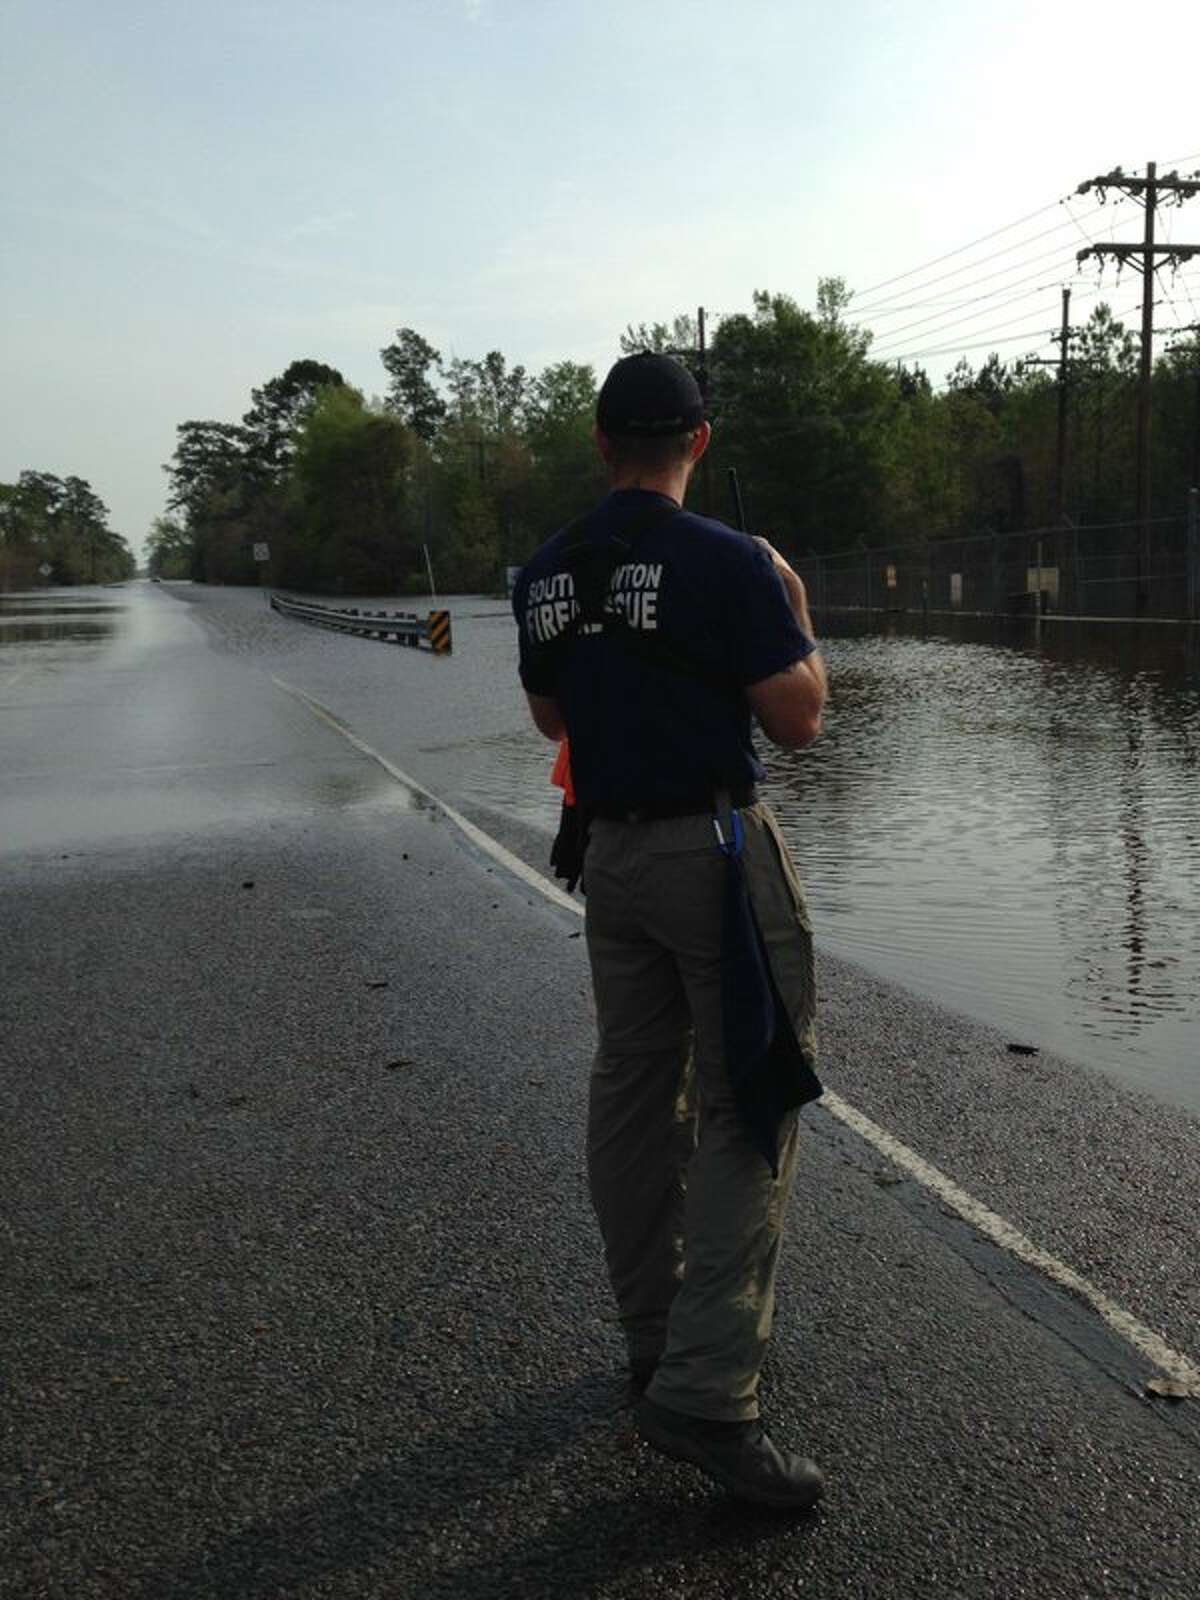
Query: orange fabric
561, 775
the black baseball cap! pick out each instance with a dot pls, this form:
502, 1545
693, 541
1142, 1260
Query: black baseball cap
649, 396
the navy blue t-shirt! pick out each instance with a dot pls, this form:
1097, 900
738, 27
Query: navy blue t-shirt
668, 722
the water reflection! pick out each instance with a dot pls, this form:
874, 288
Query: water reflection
1015, 831
18, 613
42, 615
18, 631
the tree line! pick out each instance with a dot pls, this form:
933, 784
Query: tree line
55, 530
476, 461
469, 460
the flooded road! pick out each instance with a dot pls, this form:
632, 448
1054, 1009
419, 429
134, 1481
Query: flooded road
1011, 830
1008, 829
118, 721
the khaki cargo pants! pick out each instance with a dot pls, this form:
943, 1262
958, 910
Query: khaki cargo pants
690, 1215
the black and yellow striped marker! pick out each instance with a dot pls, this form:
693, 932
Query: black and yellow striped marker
438, 632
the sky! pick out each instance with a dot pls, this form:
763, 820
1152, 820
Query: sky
192, 197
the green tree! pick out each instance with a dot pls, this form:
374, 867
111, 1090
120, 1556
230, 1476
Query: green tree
1175, 431
1103, 419
500, 393
680, 337
62, 523
351, 482
214, 483
82, 541
409, 362
27, 512
277, 412
802, 414
565, 470
169, 548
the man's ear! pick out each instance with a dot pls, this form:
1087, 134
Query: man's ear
601, 441
700, 441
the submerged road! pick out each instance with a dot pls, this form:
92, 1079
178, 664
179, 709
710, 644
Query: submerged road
302, 1295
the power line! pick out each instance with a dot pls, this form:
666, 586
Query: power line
983, 239
988, 344
984, 344
1170, 300
997, 326
893, 353
1079, 225
947, 328
970, 266
1177, 277
992, 256
1015, 266
1025, 294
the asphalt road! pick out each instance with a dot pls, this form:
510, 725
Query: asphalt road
302, 1295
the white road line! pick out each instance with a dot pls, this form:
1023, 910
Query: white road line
995, 1228
984, 1221
484, 841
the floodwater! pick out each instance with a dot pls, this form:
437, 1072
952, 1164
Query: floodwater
49, 616
117, 721
1007, 827
1013, 828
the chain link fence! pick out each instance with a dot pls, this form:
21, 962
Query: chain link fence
1106, 570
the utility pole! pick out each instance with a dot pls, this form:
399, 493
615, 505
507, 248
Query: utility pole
1063, 362
1148, 255
1060, 453
698, 361
706, 496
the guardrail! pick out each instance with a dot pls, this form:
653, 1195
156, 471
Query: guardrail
396, 627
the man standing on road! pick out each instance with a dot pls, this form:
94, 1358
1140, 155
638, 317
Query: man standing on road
651, 637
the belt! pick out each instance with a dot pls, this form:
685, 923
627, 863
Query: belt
661, 810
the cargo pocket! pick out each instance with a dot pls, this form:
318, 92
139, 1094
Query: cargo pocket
787, 870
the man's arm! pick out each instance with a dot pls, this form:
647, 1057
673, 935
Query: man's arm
788, 704
546, 715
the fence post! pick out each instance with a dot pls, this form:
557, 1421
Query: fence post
868, 583
1193, 555
1077, 585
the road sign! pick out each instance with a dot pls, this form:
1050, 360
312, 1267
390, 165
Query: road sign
45, 569
262, 552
